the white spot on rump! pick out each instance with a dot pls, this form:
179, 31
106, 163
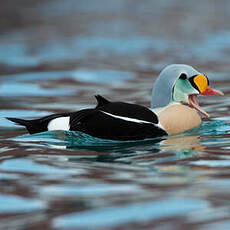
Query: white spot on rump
60, 123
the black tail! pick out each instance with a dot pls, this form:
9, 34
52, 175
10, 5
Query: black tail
18, 121
33, 126
37, 125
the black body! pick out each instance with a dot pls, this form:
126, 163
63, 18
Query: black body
99, 124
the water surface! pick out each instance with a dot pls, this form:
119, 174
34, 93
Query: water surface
54, 56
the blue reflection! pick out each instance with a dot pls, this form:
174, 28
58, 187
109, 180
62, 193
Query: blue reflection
13, 204
21, 89
28, 166
115, 216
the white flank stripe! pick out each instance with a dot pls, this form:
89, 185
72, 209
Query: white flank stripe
60, 123
128, 118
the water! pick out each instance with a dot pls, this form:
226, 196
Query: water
54, 56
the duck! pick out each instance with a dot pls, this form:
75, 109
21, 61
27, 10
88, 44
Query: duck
174, 109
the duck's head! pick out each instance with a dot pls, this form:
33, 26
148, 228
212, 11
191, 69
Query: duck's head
179, 83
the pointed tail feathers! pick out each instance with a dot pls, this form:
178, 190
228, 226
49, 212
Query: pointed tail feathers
33, 126
18, 121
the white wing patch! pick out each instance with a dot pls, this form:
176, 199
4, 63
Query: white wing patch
128, 118
60, 123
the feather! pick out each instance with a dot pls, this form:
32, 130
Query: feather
101, 101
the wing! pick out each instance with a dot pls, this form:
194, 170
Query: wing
109, 126
126, 110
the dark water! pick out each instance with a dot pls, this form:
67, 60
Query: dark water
54, 56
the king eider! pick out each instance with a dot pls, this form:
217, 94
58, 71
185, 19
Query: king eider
174, 109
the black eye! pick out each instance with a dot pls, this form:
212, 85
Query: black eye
183, 76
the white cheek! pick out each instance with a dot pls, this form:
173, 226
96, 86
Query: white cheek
60, 123
185, 98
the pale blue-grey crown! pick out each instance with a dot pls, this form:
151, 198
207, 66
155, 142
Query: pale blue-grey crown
163, 86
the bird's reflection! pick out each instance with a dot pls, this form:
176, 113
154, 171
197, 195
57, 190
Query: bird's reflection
182, 142
81, 147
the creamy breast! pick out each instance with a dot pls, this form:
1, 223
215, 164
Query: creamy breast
178, 118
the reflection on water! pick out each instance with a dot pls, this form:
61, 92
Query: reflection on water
54, 56
182, 142
12, 204
152, 210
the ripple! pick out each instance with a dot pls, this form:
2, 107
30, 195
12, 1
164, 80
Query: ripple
219, 225
21, 89
15, 54
101, 76
12, 204
212, 163
54, 55
142, 212
81, 74
28, 166
90, 190
72, 139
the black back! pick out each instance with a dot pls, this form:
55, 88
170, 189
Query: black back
97, 123
126, 110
